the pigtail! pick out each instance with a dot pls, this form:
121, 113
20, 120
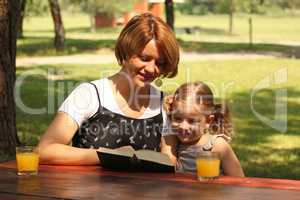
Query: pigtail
168, 104
222, 123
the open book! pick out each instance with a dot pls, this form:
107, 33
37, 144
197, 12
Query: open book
130, 160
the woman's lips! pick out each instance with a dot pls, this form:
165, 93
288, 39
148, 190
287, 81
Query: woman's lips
146, 77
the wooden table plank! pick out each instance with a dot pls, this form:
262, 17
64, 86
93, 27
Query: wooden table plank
8, 196
283, 184
84, 182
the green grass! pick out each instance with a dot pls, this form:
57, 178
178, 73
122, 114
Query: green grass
263, 151
213, 36
266, 29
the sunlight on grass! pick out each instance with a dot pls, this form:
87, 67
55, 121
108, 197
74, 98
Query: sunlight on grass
215, 28
38, 32
263, 150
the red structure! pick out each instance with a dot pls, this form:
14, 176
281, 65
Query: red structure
103, 20
154, 6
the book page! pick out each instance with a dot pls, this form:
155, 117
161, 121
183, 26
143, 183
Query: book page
154, 157
122, 151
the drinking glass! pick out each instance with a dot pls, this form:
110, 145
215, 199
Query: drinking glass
208, 165
27, 160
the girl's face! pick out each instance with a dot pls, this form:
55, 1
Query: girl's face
187, 121
144, 67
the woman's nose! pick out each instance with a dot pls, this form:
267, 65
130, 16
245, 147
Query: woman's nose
151, 67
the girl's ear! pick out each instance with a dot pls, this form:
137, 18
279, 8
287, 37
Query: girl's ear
168, 101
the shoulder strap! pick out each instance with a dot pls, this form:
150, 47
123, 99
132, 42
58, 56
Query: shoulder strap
100, 106
212, 140
161, 100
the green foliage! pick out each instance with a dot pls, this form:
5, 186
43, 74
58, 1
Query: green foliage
38, 32
112, 7
199, 7
196, 7
37, 7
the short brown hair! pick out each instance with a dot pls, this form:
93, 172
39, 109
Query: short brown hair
139, 31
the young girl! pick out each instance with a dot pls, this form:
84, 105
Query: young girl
198, 124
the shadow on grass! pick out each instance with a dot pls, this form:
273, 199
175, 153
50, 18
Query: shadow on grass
215, 47
38, 101
103, 30
43, 46
253, 142
199, 30
256, 144
254, 167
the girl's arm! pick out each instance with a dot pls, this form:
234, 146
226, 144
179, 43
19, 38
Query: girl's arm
169, 146
54, 145
230, 163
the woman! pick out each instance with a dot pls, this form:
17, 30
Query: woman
120, 110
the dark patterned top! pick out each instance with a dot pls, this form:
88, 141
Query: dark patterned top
112, 130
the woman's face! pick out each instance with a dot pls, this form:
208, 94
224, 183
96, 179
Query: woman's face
143, 68
187, 122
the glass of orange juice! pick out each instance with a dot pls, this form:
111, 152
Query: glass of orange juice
27, 160
208, 165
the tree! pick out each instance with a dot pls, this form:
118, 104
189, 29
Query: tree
59, 40
109, 9
9, 11
170, 13
22, 14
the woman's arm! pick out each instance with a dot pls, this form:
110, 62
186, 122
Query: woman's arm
54, 145
169, 146
230, 163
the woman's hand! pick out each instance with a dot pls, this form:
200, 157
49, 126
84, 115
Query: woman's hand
54, 145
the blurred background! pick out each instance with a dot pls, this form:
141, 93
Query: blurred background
246, 50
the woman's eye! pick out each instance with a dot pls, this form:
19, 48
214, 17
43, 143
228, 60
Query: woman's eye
144, 58
161, 63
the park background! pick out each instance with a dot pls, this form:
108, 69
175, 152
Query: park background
262, 44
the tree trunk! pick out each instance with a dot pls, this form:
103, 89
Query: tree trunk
9, 11
231, 11
22, 14
59, 39
170, 13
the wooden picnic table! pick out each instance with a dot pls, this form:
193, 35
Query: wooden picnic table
92, 182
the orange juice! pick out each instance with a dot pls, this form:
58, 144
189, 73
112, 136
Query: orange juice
27, 160
208, 167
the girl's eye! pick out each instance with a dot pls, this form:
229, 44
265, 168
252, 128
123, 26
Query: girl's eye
177, 119
192, 121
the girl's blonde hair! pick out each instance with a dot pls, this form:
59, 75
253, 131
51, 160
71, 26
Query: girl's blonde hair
202, 96
139, 31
